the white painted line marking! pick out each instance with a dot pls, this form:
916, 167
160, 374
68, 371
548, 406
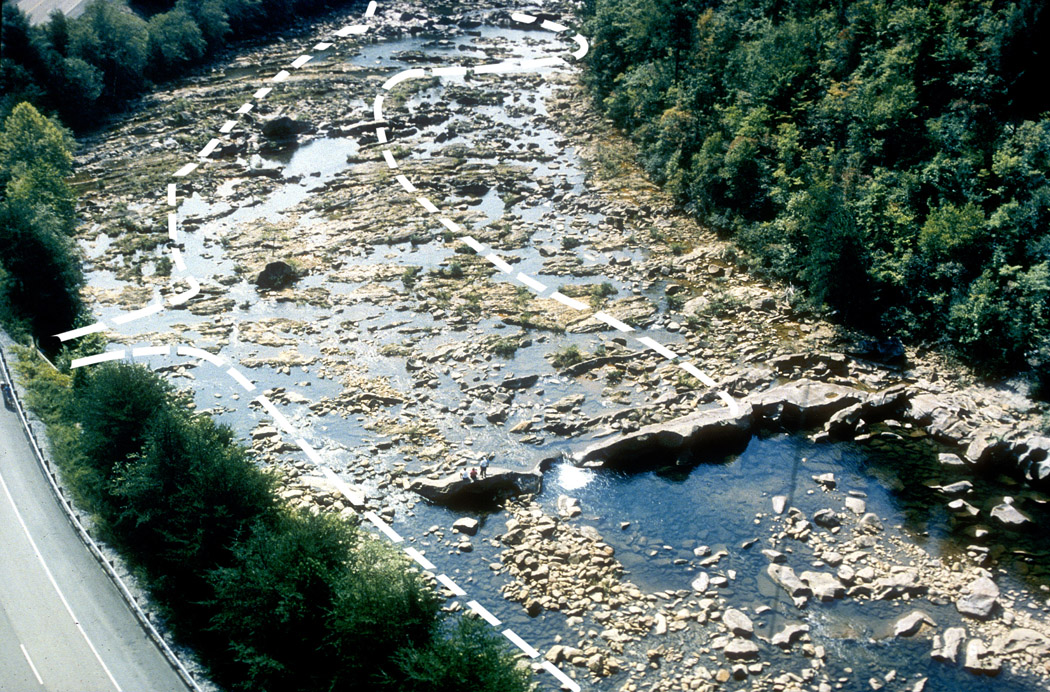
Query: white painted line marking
208, 148
144, 351
520, 643
658, 347
301, 60
227, 127
542, 62
356, 29
171, 194
553, 26
322, 46
730, 402
497, 68
152, 309
389, 156
281, 76
405, 183
450, 225
82, 331
565, 680
569, 302
176, 256
531, 282
523, 18
697, 373
500, 264
451, 585
241, 379
381, 134
195, 288
192, 352
355, 499
278, 417
383, 526
262, 93
99, 358
173, 232
613, 322
32, 667
370, 12
473, 244
583, 47
427, 204
245, 108
453, 71
403, 76
377, 108
51, 578
185, 170
420, 558
484, 613
311, 453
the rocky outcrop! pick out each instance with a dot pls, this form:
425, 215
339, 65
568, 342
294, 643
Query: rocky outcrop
497, 485
715, 428
803, 403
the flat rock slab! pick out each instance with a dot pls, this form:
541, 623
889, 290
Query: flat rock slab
979, 599
741, 649
497, 485
715, 427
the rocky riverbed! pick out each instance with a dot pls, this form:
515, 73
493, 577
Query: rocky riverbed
404, 357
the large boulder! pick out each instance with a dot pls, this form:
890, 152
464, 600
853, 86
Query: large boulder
283, 129
716, 428
497, 485
979, 599
277, 276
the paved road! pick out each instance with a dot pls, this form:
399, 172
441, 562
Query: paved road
59, 611
38, 10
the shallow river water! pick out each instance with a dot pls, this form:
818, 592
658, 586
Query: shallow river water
654, 519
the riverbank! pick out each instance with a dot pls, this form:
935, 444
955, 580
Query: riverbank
403, 355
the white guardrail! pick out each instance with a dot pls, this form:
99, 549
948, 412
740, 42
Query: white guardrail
67, 507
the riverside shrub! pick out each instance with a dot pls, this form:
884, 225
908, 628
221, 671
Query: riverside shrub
270, 598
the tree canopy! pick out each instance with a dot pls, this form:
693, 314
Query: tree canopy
890, 157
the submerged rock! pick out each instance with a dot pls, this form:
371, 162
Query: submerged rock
911, 623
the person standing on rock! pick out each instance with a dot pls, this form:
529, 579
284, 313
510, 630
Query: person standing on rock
484, 467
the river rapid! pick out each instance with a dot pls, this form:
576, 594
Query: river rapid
391, 355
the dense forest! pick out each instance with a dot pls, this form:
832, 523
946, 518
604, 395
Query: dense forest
891, 157
85, 68
40, 275
270, 598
